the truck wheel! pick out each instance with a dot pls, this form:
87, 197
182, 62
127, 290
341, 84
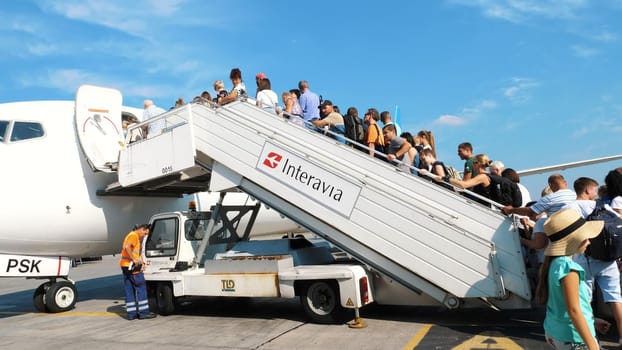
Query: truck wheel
321, 303
61, 297
152, 296
38, 298
164, 299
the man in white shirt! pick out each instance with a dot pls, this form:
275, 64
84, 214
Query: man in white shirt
152, 111
550, 204
605, 273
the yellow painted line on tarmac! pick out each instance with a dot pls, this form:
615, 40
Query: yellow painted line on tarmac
86, 313
68, 313
418, 337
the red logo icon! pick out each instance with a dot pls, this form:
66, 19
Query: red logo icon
272, 160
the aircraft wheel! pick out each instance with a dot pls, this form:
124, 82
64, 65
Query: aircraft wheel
321, 303
164, 299
38, 298
61, 296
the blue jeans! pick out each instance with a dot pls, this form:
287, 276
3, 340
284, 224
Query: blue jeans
605, 273
136, 301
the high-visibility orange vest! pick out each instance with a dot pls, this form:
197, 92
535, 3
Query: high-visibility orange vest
133, 239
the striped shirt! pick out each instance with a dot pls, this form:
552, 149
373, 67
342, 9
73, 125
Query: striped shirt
553, 202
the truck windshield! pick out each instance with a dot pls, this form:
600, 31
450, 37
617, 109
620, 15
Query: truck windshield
196, 229
162, 241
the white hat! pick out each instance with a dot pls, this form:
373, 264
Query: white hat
567, 230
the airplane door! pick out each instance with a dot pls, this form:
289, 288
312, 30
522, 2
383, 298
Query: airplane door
99, 126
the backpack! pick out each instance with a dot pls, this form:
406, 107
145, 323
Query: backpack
354, 128
607, 246
505, 191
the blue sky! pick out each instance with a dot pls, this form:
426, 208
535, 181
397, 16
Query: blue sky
531, 83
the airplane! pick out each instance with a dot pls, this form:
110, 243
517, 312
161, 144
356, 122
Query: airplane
564, 166
60, 199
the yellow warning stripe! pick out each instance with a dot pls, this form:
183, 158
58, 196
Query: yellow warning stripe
418, 337
87, 313
68, 313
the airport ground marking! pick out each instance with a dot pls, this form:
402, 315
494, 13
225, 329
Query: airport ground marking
67, 313
488, 341
87, 313
418, 337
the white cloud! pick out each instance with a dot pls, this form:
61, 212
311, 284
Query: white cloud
450, 120
488, 104
605, 36
149, 23
467, 114
581, 132
69, 80
22, 25
136, 18
63, 79
164, 7
583, 51
481, 106
41, 49
518, 11
111, 14
518, 91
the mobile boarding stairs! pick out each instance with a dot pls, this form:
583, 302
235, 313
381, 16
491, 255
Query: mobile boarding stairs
431, 240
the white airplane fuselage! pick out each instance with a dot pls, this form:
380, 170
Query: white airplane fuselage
49, 204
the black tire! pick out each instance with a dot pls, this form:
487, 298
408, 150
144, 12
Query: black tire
152, 296
164, 299
38, 298
61, 296
321, 302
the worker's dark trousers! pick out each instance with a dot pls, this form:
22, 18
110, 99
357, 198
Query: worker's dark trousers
136, 301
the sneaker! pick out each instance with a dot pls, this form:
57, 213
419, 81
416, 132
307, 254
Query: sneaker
129, 318
147, 316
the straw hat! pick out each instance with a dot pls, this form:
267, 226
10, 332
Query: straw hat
567, 230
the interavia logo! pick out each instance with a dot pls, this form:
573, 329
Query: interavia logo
304, 176
272, 160
310, 177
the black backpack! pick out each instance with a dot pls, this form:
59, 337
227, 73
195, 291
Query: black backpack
607, 246
354, 128
505, 191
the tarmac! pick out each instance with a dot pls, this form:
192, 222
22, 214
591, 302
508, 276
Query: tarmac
98, 322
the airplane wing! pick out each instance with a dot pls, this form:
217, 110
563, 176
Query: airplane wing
565, 166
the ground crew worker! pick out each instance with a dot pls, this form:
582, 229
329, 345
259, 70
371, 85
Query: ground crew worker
132, 266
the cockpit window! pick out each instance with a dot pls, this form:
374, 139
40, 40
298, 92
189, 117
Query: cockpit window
4, 125
26, 130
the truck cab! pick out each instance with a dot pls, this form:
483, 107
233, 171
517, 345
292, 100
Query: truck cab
201, 254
